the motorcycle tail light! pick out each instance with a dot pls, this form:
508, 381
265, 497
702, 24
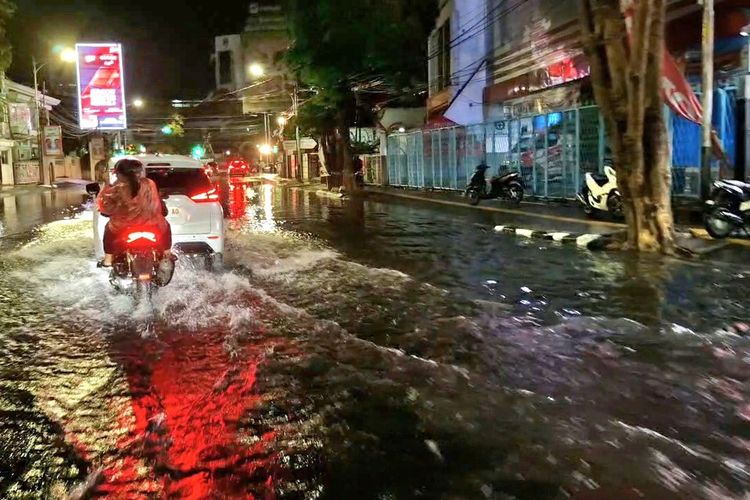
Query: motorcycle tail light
141, 235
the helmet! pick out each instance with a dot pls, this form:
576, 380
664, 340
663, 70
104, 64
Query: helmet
128, 166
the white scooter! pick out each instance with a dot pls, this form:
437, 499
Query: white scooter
600, 193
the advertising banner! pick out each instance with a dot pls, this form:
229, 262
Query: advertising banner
101, 86
53, 141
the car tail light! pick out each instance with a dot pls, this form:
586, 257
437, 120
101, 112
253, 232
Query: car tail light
141, 235
206, 196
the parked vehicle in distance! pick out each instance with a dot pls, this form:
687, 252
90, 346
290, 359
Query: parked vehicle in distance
600, 193
728, 208
235, 166
508, 186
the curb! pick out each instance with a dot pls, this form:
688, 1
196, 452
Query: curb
590, 241
329, 194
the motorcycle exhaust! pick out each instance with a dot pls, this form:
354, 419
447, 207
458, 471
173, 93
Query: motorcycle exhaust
728, 216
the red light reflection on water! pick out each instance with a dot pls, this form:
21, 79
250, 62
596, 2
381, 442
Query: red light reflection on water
181, 435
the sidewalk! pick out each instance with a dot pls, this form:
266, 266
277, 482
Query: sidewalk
62, 183
554, 217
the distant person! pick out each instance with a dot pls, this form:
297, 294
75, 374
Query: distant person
357, 163
101, 172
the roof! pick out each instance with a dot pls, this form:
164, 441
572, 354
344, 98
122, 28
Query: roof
159, 160
49, 102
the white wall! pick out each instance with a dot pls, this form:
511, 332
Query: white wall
233, 44
470, 31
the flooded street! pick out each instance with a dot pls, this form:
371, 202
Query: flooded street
367, 349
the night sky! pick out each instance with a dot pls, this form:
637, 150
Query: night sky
167, 43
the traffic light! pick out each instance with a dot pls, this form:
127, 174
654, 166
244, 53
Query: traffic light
167, 130
198, 152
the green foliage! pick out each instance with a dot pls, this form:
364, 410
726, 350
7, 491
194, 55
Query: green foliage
7, 10
342, 45
177, 126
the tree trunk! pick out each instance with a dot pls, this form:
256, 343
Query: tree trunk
344, 149
626, 78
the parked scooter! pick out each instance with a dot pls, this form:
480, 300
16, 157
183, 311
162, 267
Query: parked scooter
728, 208
600, 193
508, 186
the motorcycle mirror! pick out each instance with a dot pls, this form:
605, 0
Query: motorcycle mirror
93, 188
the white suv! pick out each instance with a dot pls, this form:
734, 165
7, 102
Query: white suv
195, 212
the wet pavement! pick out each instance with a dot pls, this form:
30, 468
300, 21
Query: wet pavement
369, 349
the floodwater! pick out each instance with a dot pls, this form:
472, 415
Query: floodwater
377, 350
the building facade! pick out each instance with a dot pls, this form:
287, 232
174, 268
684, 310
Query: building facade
509, 85
20, 157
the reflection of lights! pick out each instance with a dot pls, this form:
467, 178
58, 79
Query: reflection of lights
268, 223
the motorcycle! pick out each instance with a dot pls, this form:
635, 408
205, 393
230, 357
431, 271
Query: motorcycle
600, 193
140, 266
507, 186
728, 208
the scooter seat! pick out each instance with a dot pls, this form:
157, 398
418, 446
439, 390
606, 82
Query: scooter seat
505, 177
744, 186
600, 179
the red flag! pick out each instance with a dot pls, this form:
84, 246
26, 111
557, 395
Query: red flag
674, 88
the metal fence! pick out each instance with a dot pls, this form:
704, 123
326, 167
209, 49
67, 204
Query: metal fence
550, 151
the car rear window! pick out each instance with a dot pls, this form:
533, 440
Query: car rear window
188, 181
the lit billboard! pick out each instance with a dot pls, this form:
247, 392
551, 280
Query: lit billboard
101, 86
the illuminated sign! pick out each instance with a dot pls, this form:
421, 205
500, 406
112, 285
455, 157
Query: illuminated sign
101, 86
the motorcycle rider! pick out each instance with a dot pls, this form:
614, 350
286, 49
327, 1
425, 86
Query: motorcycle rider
132, 201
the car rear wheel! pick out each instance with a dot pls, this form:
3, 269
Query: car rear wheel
214, 262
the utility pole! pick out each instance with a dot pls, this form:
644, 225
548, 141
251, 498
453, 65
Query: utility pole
708, 94
36, 69
298, 148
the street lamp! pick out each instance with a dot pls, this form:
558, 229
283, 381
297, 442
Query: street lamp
256, 70
68, 55
138, 102
281, 120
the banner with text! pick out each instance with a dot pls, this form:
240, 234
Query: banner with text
101, 87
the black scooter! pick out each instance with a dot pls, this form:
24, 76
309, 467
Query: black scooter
508, 186
728, 208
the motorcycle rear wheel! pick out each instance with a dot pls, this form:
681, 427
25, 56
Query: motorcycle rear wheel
614, 204
143, 290
717, 227
515, 193
474, 196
